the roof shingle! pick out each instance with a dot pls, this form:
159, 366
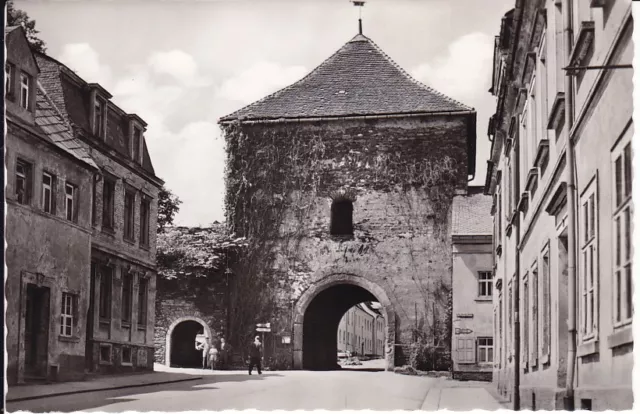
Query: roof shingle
472, 215
56, 130
359, 79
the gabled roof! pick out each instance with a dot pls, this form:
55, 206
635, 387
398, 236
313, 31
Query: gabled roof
471, 215
359, 79
56, 130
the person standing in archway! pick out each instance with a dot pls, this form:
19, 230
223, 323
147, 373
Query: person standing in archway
255, 356
213, 357
204, 347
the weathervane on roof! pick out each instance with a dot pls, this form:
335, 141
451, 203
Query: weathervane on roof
359, 4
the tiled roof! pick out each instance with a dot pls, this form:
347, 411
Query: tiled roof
359, 79
472, 215
50, 121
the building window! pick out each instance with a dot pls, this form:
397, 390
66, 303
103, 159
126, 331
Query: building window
500, 336
589, 263
99, 117
104, 311
129, 202
142, 302
105, 354
342, 218
127, 297
94, 202
108, 192
525, 317
71, 206
137, 138
534, 314
145, 207
25, 90
546, 303
623, 246
485, 285
48, 193
510, 314
466, 348
67, 314
23, 182
8, 79
126, 355
485, 350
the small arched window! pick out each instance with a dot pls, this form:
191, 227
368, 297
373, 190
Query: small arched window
342, 218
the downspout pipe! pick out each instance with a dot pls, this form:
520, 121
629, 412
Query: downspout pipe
516, 287
571, 207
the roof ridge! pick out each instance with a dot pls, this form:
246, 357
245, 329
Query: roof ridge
282, 90
412, 79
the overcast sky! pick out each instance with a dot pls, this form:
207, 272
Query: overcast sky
181, 65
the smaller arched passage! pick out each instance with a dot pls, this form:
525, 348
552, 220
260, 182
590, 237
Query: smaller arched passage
180, 342
317, 315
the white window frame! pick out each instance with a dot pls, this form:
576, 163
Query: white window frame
485, 280
543, 85
50, 188
545, 297
8, 71
70, 213
67, 315
25, 90
487, 348
622, 231
589, 275
105, 361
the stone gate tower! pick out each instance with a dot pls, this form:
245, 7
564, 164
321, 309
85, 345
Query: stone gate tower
367, 161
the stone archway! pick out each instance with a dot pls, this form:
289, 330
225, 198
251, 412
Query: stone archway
335, 294
174, 324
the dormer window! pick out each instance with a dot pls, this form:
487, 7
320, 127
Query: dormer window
8, 86
342, 218
25, 90
99, 117
137, 140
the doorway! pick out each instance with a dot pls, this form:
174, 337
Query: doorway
183, 351
36, 332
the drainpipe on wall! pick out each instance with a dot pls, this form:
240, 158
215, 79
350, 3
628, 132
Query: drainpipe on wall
516, 288
571, 203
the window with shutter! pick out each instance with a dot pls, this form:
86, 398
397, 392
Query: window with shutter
466, 350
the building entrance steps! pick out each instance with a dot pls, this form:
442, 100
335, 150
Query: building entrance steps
98, 383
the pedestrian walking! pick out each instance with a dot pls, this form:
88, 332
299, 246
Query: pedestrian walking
204, 347
213, 357
255, 356
224, 353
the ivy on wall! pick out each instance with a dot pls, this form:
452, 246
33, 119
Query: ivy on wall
273, 176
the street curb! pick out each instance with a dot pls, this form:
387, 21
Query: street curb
120, 387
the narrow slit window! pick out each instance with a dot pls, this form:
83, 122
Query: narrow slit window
342, 218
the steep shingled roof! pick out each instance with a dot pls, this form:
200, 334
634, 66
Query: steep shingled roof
471, 215
359, 79
50, 121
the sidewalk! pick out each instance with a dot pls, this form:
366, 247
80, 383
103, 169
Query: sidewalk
111, 382
461, 396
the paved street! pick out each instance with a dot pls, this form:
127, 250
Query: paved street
288, 390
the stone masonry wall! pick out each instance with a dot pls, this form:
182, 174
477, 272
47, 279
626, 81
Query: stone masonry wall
401, 239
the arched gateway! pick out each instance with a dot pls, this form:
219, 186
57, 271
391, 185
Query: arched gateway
180, 342
318, 312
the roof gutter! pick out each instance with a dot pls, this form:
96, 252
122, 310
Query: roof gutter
343, 118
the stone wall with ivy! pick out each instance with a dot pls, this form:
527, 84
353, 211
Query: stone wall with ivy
400, 174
